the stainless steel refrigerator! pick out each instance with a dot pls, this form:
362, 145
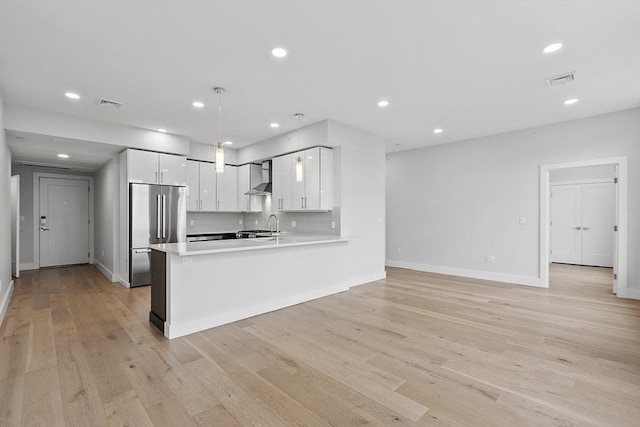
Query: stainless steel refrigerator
157, 214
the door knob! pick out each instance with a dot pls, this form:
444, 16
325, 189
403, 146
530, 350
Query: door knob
44, 229
577, 228
586, 228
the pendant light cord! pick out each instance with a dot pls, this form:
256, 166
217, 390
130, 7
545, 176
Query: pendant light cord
220, 116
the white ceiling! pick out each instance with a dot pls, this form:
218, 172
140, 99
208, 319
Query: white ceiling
473, 68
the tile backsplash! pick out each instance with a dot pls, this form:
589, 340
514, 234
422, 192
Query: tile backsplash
213, 222
327, 223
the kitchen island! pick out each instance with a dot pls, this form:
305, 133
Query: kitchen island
200, 285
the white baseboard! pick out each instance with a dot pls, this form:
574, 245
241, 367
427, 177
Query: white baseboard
104, 270
122, 281
185, 328
631, 293
474, 274
29, 266
4, 304
367, 278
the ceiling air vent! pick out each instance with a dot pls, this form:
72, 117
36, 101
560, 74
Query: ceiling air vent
44, 165
561, 79
109, 103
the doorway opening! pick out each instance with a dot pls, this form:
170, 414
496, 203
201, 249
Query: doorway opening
583, 223
63, 220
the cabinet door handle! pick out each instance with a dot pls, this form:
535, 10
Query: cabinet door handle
248, 205
162, 177
302, 202
156, 177
218, 206
200, 204
305, 202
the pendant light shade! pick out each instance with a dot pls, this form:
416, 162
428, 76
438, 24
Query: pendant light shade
299, 161
299, 169
219, 157
219, 150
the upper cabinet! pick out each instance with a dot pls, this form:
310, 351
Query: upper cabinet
249, 176
314, 191
211, 192
156, 168
227, 189
201, 186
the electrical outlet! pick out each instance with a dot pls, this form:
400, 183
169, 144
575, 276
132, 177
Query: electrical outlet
256, 222
333, 224
522, 220
491, 258
192, 222
102, 253
293, 223
240, 221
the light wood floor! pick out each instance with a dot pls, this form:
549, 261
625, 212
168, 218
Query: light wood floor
414, 349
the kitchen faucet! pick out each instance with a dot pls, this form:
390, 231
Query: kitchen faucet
277, 224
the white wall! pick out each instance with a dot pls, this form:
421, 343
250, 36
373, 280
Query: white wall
451, 205
582, 173
206, 153
5, 219
106, 225
26, 119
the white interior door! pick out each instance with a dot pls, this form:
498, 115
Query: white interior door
15, 226
598, 219
582, 220
64, 221
566, 224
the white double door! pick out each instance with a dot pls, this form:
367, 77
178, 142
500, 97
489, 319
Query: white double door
64, 221
582, 221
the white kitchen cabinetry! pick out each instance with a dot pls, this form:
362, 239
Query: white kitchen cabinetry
227, 189
281, 182
315, 191
201, 182
156, 168
249, 176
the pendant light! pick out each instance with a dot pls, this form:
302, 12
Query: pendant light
299, 170
219, 158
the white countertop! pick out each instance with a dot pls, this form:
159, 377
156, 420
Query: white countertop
233, 245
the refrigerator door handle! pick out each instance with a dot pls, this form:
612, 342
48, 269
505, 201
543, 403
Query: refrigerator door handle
158, 216
164, 214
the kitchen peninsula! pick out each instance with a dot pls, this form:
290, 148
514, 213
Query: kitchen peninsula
200, 285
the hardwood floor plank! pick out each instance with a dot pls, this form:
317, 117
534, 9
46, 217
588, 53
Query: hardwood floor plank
13, 360
80, 398
41, 351
41, 404
125, 410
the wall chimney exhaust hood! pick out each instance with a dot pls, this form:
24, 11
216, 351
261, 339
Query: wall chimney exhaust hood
264, 188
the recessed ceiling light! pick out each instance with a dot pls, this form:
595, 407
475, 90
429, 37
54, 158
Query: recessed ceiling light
552, 48
228, 143
72, 95
63, 156
162, 130
275, 125
279, 52
571, 101
197, 104
438, 130
383, 103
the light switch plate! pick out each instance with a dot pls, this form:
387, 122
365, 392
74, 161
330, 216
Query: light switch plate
192, 222
240, 221
293, 223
